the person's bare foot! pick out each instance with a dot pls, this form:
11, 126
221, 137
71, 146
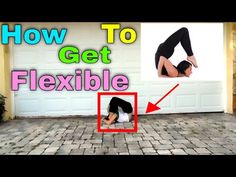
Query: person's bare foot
192, 59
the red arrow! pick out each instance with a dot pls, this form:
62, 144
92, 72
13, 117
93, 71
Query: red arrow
153, 107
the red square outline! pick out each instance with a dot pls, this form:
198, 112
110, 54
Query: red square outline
135, 129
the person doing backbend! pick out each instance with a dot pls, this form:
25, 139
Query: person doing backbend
166, 49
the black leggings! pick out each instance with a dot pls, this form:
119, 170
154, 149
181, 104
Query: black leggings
124, 105
166, 48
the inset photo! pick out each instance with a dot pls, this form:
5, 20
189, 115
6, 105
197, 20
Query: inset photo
182, 50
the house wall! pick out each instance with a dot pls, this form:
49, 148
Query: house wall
5, 79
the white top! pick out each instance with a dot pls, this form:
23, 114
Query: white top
123, 117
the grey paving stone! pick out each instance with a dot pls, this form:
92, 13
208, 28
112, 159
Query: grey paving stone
179, 146
37, 151
145, 144
68, 142
163, 152
119, 150
78, 141
23, 153
220, 150
163, 147
136, 152
101, 151
132, 143
190, 145
165, 142
190, 152
148, 149
180, 141
199, 144
124, 153
89, 151
63, 152
51, 150
111, 153
82, 146
178, 152
155, 142
43, 146
202, 151
149, 138
150, 153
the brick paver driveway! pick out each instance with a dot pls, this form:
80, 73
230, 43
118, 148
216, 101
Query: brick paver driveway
174, 134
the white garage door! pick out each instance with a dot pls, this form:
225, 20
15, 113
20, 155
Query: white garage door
190, 96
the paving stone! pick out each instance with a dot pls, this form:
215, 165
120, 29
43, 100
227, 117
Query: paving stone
119, 150
199, 144
55, 144
89, 151
51, 150
180, 141
37, 151
85, 146
147, 138
220, 150
190, 152
163, 147
68, 142
63, 152
17, 150
136, 152
214, 145
101, 151
43, 146
156, 142
150, 153
78, 141
179, 146
23, 153
147, 150
166, 137
165, 142
111, 153
164, 152
123, 153
122, 144
202, 151
190, 145
145, 144
178, 152
132, 143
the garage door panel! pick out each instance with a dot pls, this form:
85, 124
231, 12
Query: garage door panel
27, 106
81, 103
187, 89
49, 57
211, 87
211, 100
165, 103
187, 100
211, 109
25, 58
55, 104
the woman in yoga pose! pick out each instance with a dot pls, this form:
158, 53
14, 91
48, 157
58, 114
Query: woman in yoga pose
165, 50
119, 110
